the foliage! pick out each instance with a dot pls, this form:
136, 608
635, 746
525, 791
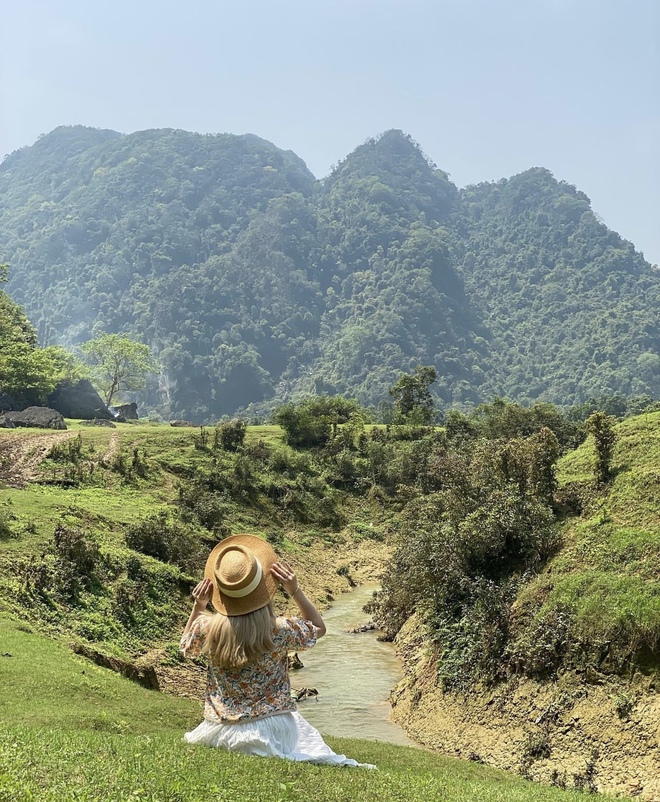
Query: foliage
166, 539
600, 426
302, 426
413, 401
255, 285
27, 372
119, 363
230, 435
464, 550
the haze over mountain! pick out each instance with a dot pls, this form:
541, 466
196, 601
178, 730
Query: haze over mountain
254, 282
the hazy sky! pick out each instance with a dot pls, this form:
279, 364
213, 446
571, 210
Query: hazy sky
487, 87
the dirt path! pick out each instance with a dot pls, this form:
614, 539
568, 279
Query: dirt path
113, 447
20, 455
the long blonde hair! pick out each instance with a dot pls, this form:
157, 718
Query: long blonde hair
233, 641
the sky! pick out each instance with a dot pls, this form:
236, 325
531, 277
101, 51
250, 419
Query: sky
488, 88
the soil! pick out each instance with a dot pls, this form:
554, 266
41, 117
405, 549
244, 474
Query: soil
595, 733
20, 456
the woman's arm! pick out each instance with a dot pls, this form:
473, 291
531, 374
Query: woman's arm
202, 595
284, 574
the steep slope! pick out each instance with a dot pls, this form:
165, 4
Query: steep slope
254, 283
396, 300
572, 307
107, 232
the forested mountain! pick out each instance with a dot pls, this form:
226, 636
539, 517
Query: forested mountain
572, 308
254, 282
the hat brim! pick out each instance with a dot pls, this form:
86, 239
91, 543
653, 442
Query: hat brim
264, 591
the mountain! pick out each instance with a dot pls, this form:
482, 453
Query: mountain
571, 306
255, 283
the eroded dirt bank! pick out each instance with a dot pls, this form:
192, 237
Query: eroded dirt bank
591, 732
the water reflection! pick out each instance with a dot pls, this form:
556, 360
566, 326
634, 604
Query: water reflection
353, 674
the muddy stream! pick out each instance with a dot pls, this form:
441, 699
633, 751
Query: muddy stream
353, 675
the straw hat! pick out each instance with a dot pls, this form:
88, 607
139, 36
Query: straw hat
239, 568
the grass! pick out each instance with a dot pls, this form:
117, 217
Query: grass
78, 732
605, 578
73, 732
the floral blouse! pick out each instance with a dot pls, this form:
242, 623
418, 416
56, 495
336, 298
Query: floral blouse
260, 688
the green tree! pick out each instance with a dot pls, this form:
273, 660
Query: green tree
27, 372
601, 426
413, 401
119, 363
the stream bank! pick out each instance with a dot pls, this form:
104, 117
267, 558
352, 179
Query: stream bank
596, 733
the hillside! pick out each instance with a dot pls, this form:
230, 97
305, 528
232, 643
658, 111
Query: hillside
255, 283
564, 658
102, 532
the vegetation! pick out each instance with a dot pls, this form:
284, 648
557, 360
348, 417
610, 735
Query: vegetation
513, 569
413, 401
27, 372
119, 363
514, 554
256, 285
97, 736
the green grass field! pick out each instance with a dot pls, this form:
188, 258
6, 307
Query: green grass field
75, 732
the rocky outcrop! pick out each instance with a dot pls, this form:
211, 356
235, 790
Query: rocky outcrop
5, 423
37, 418
7, 403
183, 423
79, 400
127, 411
144, 675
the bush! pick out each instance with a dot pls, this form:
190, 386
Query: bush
76, 548
207, 507
165, 539
302, 427
230, 435
463, 550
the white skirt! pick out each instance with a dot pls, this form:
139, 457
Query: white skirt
285, 735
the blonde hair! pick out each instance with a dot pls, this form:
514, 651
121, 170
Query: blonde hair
233, 641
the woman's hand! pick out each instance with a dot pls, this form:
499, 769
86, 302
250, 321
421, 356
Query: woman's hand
202, 593
286, 576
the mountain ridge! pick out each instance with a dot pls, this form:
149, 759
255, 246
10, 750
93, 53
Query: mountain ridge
256, 283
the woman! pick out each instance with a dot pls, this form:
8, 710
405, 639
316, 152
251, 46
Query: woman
248, 706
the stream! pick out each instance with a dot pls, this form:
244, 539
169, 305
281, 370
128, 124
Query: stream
353, 675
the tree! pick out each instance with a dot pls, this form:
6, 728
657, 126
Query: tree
27, 372
120, 363
601, 426
412, 400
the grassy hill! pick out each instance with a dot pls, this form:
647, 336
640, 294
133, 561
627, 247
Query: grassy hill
597, 604
102, 532
73, 731
580, 660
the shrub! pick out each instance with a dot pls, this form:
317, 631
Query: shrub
302, 427
230, 435
7, 522
464, 549
207, 507
601, 426
165, 539
77, 548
